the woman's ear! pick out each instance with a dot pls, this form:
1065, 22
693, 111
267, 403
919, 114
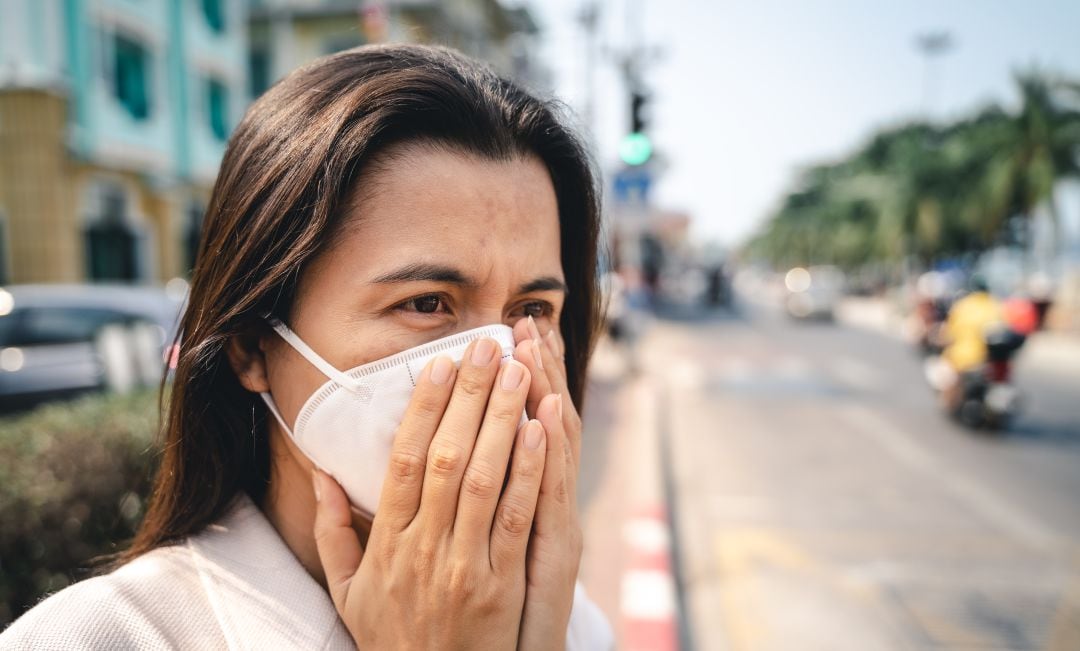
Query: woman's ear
248, 361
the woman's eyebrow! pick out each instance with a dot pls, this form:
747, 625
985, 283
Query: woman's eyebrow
543, 284
421, 272
425, 272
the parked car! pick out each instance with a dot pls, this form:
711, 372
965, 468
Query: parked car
813, 293
62, 340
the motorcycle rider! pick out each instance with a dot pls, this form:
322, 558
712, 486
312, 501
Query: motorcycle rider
965, 331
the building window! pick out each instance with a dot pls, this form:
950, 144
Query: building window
192, 233
217, 108
131, 76
342, 42
110, 242
214, 13
258, 71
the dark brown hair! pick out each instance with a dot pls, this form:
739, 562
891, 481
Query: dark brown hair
285, 175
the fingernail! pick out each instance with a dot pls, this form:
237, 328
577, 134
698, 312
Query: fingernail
483, 351
537, 357
512, 375
534, 332
441, 370
534, 434
553, 344
558, 405
315, 484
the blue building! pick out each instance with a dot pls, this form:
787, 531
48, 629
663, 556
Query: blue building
114, 116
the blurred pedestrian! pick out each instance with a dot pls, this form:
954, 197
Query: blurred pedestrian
380, 200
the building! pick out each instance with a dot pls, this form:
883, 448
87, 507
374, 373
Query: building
114, 114
113, 119
286, 34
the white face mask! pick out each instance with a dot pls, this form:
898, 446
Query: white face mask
347, 426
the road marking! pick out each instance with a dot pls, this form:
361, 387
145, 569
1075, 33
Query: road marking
978, 497
856, 373
750, 559
647, 535
792, 367
647, 601
686, 374
647, 594
733, 369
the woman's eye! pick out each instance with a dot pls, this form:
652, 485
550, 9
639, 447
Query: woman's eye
424, 304
537, 309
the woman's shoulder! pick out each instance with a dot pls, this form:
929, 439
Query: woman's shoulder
148, 602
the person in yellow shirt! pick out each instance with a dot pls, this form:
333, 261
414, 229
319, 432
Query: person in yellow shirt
966, 327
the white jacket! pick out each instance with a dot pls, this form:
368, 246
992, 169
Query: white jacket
235, 585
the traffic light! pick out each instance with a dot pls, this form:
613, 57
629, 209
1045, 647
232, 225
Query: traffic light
636, 148
637, 111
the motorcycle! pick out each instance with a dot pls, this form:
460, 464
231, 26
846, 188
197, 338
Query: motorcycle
983, 397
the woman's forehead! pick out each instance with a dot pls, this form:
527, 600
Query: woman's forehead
453, 209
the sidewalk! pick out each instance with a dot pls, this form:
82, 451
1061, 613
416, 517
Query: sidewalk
626, 563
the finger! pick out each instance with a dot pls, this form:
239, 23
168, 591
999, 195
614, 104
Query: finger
552, 417
400, 498
554, 342
455, 437
483, 479
521, 331
338, 546
556, 377
517, 506
553, 507
571, 419
528, 353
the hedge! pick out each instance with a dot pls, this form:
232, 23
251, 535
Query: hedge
73, 477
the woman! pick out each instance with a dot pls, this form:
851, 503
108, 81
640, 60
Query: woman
371, 202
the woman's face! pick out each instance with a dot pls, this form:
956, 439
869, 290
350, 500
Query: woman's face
434, 242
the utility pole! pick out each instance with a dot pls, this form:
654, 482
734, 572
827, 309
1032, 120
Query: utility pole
932, 46
588, 16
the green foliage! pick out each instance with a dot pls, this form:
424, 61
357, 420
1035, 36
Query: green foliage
931, 191
73, 477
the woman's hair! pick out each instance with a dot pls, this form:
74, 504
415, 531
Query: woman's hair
279, 197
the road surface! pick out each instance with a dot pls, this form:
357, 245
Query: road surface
819, 500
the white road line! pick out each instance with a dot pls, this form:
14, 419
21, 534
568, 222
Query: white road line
647, 595
733, 370
792, 367
856, 373
978, 497
646, 535
686, 374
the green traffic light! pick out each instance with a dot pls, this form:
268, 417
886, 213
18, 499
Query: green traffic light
635, 149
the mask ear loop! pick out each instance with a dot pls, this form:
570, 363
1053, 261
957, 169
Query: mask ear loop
269, 400
311, 356
272, 406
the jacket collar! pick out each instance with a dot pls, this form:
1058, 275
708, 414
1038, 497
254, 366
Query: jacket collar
262, 596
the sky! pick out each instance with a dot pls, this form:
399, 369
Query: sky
748, 92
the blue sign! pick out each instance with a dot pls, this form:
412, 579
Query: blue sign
632, 185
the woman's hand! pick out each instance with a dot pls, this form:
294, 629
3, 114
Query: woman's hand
444, 564
555, 548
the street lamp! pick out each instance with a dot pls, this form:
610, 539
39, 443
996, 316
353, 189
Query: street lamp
932, 45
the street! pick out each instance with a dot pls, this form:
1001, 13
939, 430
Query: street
819, 499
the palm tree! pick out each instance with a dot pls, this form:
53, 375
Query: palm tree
933, 191
1027, 154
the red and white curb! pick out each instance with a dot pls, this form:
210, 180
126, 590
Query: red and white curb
647, 593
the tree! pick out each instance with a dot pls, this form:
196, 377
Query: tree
932, 192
